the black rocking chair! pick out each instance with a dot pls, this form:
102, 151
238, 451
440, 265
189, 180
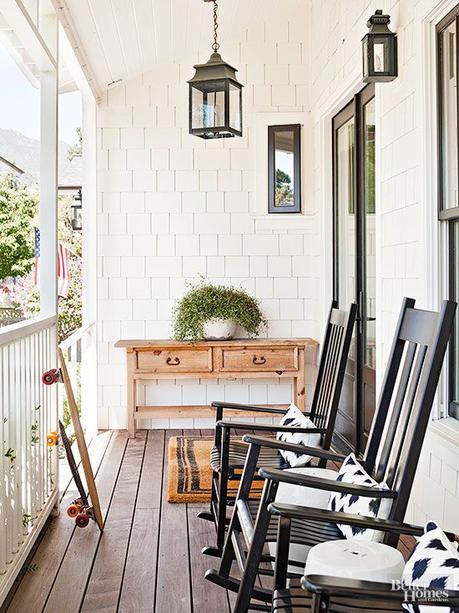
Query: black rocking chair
317, 593
228, 455
320, 594
391, 455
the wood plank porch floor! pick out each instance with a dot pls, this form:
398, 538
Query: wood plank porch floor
149, 557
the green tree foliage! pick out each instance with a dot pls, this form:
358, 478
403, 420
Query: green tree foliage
18, 207
284, 192
25, 295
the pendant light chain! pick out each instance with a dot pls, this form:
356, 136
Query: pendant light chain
215, 45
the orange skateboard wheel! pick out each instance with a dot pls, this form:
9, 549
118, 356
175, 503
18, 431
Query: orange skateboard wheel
73, 510
52, 439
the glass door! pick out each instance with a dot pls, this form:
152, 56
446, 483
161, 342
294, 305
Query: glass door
355, 260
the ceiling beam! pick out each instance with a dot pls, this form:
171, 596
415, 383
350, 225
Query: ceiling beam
68, 25
27, 32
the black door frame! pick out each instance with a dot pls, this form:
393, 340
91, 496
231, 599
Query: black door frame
354, 109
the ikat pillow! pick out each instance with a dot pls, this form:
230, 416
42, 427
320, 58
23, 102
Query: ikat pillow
434, 565
352, 471
295, 418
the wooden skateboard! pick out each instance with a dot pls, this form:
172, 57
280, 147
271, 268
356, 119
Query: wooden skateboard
81, 509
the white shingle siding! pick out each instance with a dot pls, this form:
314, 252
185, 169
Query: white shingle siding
172, 206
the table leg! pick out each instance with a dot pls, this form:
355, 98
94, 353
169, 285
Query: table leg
131, 393
300, 382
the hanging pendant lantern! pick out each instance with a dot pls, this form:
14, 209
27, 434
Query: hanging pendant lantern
215, 102
379, 48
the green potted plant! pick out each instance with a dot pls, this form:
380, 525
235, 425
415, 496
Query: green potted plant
213, 312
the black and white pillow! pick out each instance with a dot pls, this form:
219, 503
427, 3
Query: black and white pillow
295, 418
352, 471
433, 564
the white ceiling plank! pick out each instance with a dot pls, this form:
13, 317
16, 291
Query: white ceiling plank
125, 38
146, 29
162, 11
104, 18
126, 25
180, 13
87, 31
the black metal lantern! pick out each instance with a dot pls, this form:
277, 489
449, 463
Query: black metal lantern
215, 96
379, 47
77, 210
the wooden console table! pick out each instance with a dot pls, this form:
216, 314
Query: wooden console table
235, 359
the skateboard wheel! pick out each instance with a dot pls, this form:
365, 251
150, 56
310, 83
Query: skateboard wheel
82, 520
52, 439
50, 376
73, 510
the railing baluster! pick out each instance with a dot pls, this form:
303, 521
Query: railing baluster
28, 411
3, 458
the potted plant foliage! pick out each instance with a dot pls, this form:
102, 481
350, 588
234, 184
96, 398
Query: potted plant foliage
213, 312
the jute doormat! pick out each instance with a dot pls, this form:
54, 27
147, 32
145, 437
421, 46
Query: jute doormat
189, 470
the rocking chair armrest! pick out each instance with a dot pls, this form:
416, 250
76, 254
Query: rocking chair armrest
234, 406
350, 519
268, 427
315, 452
319, 483
337, 586
361, 521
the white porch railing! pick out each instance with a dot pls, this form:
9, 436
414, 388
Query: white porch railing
28, 468
79, 351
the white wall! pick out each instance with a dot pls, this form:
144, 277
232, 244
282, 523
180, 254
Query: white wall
406, 226
172, 207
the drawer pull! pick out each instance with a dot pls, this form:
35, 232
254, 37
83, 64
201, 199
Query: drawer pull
173, 361
259, 361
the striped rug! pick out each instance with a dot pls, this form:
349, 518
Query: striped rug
189, 470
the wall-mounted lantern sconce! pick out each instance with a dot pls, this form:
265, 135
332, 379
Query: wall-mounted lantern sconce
215, 98
77, 209
379, 47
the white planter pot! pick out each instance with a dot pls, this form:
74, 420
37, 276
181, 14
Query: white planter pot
219, 329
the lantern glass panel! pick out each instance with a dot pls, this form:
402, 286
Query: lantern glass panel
365, 56
208, 101
235, 107
380, 55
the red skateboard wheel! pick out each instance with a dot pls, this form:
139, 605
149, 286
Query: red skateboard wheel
82, 520
50, 376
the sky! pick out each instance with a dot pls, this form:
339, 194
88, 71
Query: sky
20, 104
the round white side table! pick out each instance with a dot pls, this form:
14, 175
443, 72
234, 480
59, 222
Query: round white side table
355, 559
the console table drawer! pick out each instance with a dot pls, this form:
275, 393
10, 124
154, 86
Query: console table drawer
176, 360
259, 359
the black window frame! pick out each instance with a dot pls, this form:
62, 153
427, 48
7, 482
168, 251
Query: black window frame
448, 215
297, 179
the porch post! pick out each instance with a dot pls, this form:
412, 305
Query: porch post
48, 192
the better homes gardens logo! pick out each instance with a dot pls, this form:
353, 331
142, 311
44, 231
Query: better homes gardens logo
418, 594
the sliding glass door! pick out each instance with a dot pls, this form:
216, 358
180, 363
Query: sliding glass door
354, 259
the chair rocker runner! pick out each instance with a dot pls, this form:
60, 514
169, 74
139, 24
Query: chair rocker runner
228, 456
391, 456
